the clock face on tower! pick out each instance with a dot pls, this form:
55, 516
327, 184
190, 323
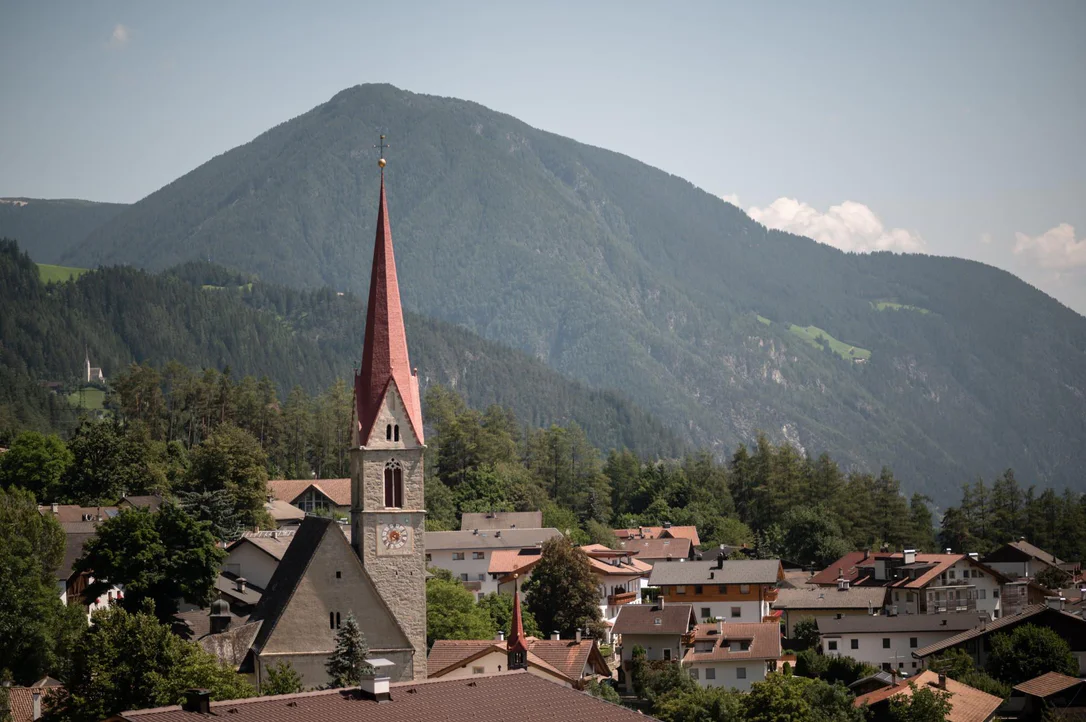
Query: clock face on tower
394, 538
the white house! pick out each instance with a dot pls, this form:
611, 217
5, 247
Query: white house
888, 642
256, 554
467, 554
738, 591
733, 656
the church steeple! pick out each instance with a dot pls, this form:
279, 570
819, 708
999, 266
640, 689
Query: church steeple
385, 362
516, 647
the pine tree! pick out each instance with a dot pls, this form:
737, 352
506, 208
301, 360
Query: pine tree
348, 665
282, 679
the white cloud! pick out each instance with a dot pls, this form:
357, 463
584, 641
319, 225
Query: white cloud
731, 198
120, 36
850, 226
1056, 249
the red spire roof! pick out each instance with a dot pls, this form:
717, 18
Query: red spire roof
384, 353
516, 641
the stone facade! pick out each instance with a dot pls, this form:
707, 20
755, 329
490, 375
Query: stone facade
398, 573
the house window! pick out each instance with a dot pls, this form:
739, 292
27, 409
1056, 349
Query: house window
667, 655
396, 432
951, 573
339, 574
912, 643
482, 577
464, 577
333, 620
744, 589
885, 642
388, 433
393, 485
736, 612
680, 590
476, 555
995, 594
710, 673
428, 558
901, 665
854, 644
458, 556
693, 673
832, 644
312, 502
722, 588
740, 672
914, 665
982, 594
478, 670
706, 612
698, 589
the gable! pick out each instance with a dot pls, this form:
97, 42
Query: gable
391, 413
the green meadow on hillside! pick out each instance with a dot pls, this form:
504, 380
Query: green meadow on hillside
891, 306
813, 334
92, 398
58, 274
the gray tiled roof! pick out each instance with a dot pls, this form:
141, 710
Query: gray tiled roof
641, 619
859, 624
830, 598
487, 539
754, 571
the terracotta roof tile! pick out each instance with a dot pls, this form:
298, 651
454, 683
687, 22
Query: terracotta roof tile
660, 549
22, 702
498, 698
508, 561
447, 655
967, 704
1047, 684
656, 532
338, 491
764, 642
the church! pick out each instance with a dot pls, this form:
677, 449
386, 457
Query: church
377, 572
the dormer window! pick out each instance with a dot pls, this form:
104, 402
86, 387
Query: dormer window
393, 485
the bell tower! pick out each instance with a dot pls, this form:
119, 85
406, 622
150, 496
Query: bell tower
388, 510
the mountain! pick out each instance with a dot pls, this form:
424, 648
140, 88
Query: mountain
48, 228
629, 278
205, 316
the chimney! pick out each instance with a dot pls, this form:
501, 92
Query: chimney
893, 677
720, 560
577, 636
909, 556
1082, 594
662, 599
1055, 603
712, 575
501, 636
497, 533
556, 636
942, 680
55, 507
840, 616
867, 554
197, 700
667, 525
375, 686
35, 697
239, 584
942, 622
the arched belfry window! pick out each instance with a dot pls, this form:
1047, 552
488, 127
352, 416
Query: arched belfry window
393, 485
388, 433
396, 432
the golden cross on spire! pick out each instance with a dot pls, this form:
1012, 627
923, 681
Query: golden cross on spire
380, 146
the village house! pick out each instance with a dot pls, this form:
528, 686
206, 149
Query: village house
27, 704
732, 656
255, 555
888, 642
977, 640
79, 524
1022, 560
665, 531
501, 520
313, 496
815, 602
667, 549
967, 704
657, 628
570, 662
921, 583
737, 591
468, 554
1033, 699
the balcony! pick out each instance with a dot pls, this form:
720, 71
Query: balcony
770, 594
472, 586
615, 600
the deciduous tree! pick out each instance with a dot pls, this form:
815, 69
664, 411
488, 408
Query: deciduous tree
563, 591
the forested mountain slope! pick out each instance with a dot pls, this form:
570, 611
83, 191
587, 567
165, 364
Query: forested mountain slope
627, 277
48, 228
205, 316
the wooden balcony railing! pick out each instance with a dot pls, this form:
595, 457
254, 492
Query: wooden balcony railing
621, 598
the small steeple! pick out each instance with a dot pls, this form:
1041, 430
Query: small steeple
384, 353
516, 647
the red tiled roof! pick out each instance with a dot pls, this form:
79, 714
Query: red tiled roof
21, 700
764, 639
847, 565
496, 698
338, 491
659, 532
678, 548
508, 561
967, 704
566, 657
1047, 684
70, 513
384, 352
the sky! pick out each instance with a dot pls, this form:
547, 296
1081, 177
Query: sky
948, 128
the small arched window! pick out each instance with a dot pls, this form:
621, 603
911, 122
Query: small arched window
396, 432
393, 485
388, 432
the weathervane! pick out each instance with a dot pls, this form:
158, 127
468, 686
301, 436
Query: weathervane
380, 146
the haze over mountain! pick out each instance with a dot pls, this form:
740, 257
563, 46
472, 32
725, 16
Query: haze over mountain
629, 278
52, 227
